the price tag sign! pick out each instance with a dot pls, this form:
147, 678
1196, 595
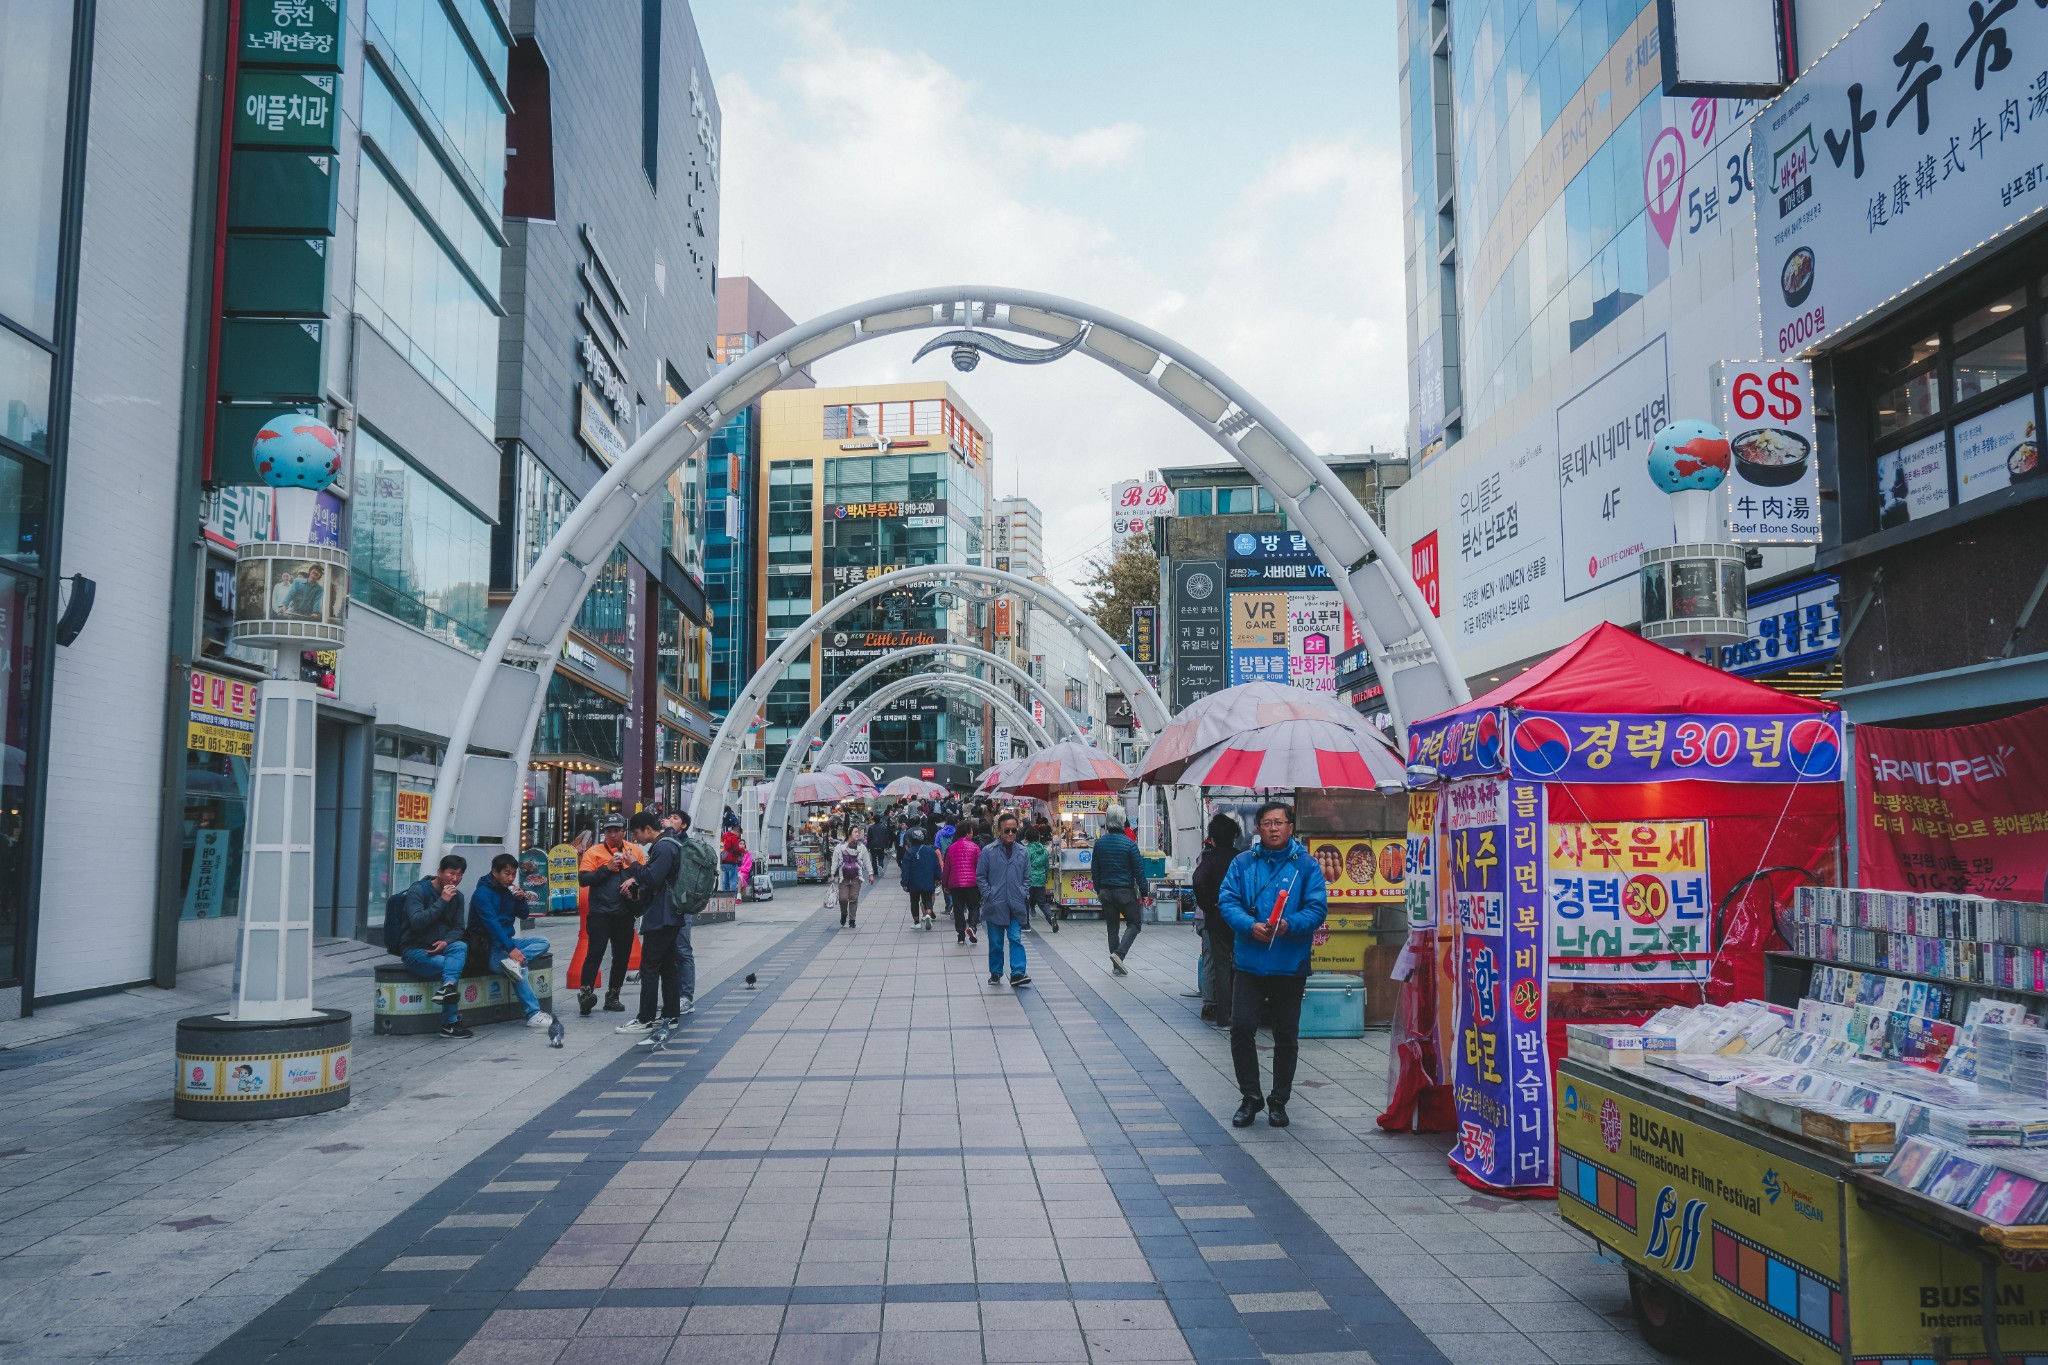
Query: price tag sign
1773, 489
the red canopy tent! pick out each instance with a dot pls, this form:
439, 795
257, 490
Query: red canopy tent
1619, 824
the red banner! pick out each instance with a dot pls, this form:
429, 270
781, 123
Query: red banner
1961, 810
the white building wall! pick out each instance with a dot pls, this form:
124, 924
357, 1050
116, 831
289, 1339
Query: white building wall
98, 898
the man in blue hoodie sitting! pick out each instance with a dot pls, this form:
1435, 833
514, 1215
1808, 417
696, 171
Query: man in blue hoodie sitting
1271, 957
495, 907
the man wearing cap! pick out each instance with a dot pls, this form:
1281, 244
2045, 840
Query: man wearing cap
1119, 873
605, 872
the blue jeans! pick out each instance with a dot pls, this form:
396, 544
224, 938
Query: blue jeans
729, 876
532, 947
1013, 932
448, 966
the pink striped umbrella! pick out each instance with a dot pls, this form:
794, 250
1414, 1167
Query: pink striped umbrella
1234, 710
860, 782
1071, 766
818, 789
1297, 753
997, 778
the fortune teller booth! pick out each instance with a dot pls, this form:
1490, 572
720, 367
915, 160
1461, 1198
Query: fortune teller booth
1608, 834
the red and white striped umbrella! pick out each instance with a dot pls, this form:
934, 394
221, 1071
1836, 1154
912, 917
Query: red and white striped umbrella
1297, 753
1071, 766
997, 778
1234, 710
859, 782
818, 789
907, 786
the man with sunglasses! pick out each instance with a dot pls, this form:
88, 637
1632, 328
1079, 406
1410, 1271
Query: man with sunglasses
1272, 955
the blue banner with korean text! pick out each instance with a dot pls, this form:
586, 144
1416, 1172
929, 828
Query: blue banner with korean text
1565, 747
1463, 744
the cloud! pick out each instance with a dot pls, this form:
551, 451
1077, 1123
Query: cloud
867, 171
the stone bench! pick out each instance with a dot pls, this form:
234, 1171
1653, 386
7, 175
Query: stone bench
405, 1003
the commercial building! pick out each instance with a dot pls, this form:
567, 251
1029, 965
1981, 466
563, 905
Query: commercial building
856, 482
746, 318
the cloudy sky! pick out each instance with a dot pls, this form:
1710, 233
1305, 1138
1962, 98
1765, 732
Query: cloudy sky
1227, 174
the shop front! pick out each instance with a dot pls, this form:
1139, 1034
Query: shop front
576, 775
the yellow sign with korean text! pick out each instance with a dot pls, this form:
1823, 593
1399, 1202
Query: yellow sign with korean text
1627, 901
222, 719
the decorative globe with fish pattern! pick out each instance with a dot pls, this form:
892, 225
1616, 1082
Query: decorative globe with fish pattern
296, 451
1689, 456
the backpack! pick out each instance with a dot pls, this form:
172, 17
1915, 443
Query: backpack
696, 876
849, 864
396, 922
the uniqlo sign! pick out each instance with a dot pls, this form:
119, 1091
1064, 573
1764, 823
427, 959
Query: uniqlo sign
1422, 563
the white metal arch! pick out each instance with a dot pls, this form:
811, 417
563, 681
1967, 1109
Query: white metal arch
835, 747
480, 784
775, 832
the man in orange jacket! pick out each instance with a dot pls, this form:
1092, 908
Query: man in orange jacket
606, 872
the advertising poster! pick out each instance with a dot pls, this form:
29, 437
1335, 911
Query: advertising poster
1792, 625
562, 861
1608, 510
1959, 811
222, 719
1912, 481
1361, 871
1913, 141
206, 889
1258, 637
1774, 476
1572, 747
1996, 447
1198, 630
1145, 637
1507, 548
1315, 626
1132, 505
409, 830
1419, 891
1628, 901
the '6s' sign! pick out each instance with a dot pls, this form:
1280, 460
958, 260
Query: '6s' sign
1774, 498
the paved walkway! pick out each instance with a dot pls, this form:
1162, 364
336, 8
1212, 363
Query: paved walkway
875, 1156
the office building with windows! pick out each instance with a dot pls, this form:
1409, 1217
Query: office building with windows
856, 482
746, 318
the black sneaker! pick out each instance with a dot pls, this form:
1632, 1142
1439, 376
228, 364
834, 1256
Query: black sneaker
994, 980
445, 992
1020, 979
458, 1029
586, 1001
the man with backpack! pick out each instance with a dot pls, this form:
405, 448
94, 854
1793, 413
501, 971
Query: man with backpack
494, 908
851, 866
675, 884
423, 927
920, 875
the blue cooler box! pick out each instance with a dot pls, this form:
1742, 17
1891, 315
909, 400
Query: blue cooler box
1333, 1006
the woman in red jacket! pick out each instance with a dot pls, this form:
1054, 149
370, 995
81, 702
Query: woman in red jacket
963, 855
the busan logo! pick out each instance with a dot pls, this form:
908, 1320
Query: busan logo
1244, 543
1542, 748
1815, 751
1486, 740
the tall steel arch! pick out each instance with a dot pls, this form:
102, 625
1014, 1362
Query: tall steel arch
925, 682
480, 780
775, 831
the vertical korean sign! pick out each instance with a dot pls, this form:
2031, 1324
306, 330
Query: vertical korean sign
1420, 891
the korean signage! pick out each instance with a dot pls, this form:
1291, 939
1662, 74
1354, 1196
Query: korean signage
1121, 714
1774, 487
882, 511
1132, 505
1145, 637
1628, 901
285, 109
1500, 1070
596, 428
1961, 810
1419, 868
857, 741
223, 715
1274, 557
1423, 567
1198, 624
1908, 145
409, 827
1360, 872
1258, 637
1569, 747
999, 618
873, 644
841, 576
1791, 626
1002, 734
1610, 512
1505, 503
1282, 633
300, 33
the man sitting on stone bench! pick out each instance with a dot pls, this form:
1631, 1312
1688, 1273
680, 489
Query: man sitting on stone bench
495, 906
432, 945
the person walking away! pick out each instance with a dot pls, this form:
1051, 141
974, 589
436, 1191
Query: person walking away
878, 842
962, 855
430, 943
1219, 849
495, 906
1271, 959
1040, 854
920, 875
851, 866
729, 847
604, 872
1119, 872
1002, 880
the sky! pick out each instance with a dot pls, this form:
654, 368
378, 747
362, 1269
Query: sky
1227, 174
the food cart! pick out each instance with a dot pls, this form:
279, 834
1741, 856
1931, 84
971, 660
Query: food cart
1076, 824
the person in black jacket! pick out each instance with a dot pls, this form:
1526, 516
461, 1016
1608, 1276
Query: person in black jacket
1217, 850
660, 968
433, 944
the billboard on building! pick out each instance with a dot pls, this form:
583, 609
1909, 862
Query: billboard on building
1287, 623
1132, 505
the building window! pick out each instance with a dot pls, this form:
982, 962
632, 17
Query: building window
605, 618
1235, 501
1195, 502
418, 553
544, 504
35, 74
650, 91
24, 392
468, 113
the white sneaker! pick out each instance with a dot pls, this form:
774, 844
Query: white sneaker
687, 1005
515, 970
634, 1026
540, 1020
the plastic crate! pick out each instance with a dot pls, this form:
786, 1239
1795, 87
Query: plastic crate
1333, 1006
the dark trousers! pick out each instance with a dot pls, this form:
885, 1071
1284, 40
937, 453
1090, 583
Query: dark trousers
1121, 912
966, 903
1223, 971
1042, 898
920, 904
661, 970
607, 929
1275, 1001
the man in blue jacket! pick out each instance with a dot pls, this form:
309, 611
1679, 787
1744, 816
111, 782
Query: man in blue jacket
494, 907
1271, 959
919, 875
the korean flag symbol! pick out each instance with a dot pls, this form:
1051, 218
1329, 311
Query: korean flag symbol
1486, 740
1815, 749
1542, 748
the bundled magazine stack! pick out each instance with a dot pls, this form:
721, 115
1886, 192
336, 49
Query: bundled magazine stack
1966, 939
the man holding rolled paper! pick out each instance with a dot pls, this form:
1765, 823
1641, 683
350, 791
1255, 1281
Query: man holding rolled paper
1273, 898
